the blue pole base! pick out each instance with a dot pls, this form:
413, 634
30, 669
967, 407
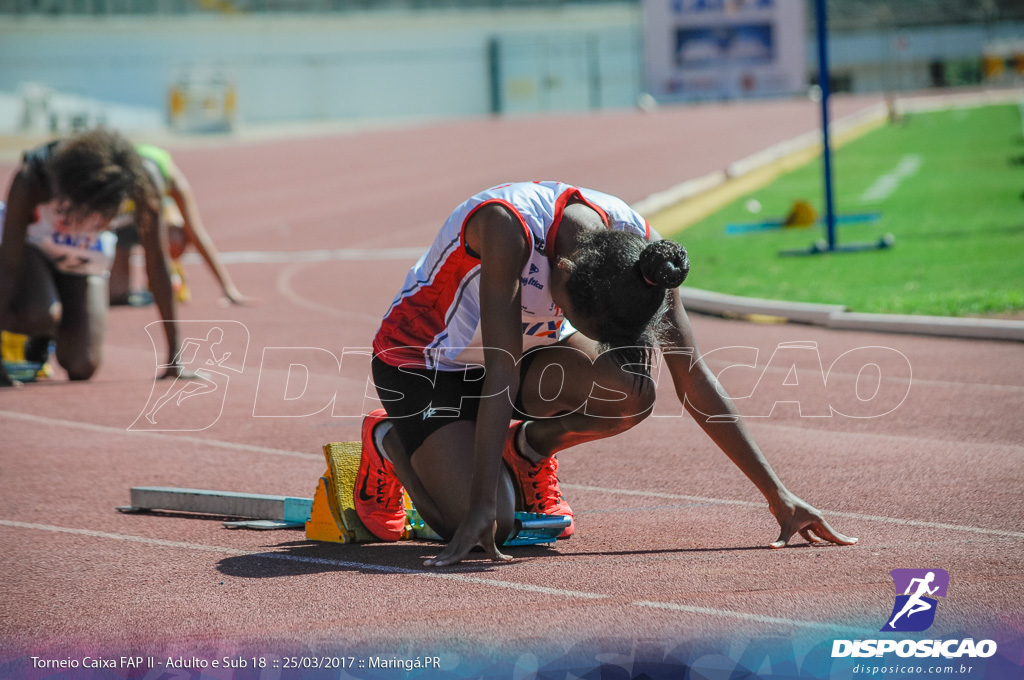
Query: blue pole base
822, 247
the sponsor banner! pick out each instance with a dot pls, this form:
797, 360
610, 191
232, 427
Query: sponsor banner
715, 49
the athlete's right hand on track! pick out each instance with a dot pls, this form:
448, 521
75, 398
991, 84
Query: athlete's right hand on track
474, 532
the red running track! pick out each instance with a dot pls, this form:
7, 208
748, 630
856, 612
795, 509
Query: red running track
671, 539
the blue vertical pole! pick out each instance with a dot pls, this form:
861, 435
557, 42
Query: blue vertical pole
822, 22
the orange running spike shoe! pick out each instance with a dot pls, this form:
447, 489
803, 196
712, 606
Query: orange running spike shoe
538, 483
378, 493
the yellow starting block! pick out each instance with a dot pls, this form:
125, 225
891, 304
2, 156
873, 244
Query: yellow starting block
333, 518
19, 367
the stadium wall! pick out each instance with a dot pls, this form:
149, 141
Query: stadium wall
425, 64
379, 65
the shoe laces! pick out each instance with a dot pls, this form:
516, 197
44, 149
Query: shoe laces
388, 487
544, 482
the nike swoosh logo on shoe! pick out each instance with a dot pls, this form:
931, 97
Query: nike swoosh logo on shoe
363, 496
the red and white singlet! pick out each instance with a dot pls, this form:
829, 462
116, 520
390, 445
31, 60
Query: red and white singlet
434, 321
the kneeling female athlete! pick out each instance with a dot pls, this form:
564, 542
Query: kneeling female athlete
509, 272
56, 248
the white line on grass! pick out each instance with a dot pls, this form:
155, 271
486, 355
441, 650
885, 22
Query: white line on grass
883, 187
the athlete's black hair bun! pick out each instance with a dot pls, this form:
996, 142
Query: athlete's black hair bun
664, 264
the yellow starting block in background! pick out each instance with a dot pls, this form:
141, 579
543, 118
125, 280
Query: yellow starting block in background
18, 366
333, 518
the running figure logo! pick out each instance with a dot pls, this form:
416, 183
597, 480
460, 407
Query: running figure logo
914, 610
194, 401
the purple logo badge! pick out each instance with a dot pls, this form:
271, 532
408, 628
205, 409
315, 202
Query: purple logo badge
916, 590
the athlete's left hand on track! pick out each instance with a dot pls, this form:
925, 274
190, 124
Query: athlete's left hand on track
472, 533
796, 516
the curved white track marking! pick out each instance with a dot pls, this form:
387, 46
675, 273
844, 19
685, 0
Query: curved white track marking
247, 448
284, 287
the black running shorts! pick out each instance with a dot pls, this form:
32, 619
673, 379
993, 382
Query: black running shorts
419, 402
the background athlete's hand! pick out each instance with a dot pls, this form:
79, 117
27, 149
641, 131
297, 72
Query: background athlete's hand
474, 532
796, 516
176, 371
6, 381
234, 297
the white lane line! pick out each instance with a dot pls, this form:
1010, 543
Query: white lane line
177, 438
775, 620
883, 187
915, 381
830, 513
443, 576
247, 448
343, 564
334, 255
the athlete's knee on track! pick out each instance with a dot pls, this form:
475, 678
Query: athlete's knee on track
38, 319
79, 365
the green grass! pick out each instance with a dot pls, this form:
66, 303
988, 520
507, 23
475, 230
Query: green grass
958, 224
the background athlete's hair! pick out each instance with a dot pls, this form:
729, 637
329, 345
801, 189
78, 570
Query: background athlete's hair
95, 171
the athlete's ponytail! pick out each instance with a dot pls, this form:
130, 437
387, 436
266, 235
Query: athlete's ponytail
663, 264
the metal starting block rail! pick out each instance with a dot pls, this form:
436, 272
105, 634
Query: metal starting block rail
261, 511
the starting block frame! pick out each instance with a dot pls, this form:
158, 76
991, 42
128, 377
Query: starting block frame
328, 517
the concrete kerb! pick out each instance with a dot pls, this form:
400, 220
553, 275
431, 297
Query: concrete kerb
943, 326
837, 316
678, 207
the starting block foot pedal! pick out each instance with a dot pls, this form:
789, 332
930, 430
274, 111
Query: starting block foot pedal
333, 518
533, 528
19, 367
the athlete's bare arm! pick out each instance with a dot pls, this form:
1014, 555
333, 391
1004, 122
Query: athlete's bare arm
702, 396
499, 239
22, 199
181, 192
153, 237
